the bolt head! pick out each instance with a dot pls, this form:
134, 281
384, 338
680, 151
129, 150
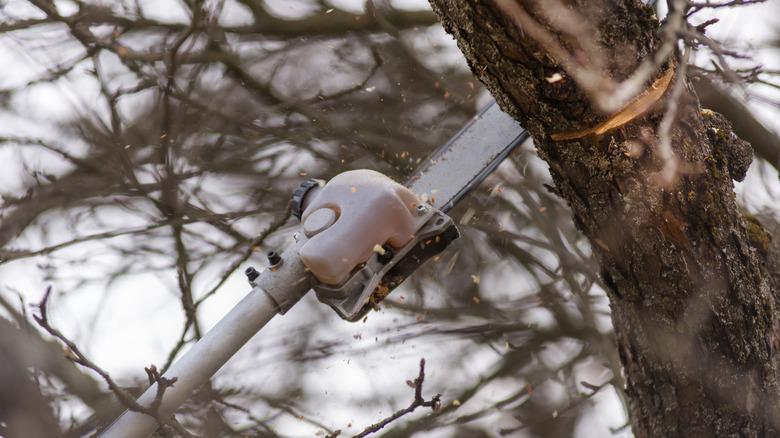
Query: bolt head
274, 257
422, 209
251, 273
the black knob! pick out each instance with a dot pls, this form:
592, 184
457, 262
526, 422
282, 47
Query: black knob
251, 273
296, 204
274, 258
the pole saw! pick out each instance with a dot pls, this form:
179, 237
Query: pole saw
361, 235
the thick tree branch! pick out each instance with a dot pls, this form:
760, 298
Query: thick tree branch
685, 272
765, 143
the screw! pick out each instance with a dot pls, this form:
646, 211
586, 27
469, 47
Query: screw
422, 209
273, 258
251, 273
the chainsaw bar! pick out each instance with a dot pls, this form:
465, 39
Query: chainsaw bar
453, 170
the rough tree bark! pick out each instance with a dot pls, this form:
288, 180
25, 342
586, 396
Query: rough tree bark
689, 277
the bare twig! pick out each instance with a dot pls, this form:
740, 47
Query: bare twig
707, 4
434, 403
76, 355
162, 384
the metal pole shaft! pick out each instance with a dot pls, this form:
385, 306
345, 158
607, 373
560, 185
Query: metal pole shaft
279, 289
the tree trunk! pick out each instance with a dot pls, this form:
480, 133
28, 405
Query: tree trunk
688, 275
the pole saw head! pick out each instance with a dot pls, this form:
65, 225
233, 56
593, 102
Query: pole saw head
365, 235
362, 233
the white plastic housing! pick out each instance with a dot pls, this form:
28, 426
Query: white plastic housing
371, 209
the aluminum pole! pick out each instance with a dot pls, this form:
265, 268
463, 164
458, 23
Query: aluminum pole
278, 289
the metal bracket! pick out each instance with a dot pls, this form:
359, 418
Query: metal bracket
371, 282
284, 275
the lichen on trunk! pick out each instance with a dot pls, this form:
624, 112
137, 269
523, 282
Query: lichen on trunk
692, 300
